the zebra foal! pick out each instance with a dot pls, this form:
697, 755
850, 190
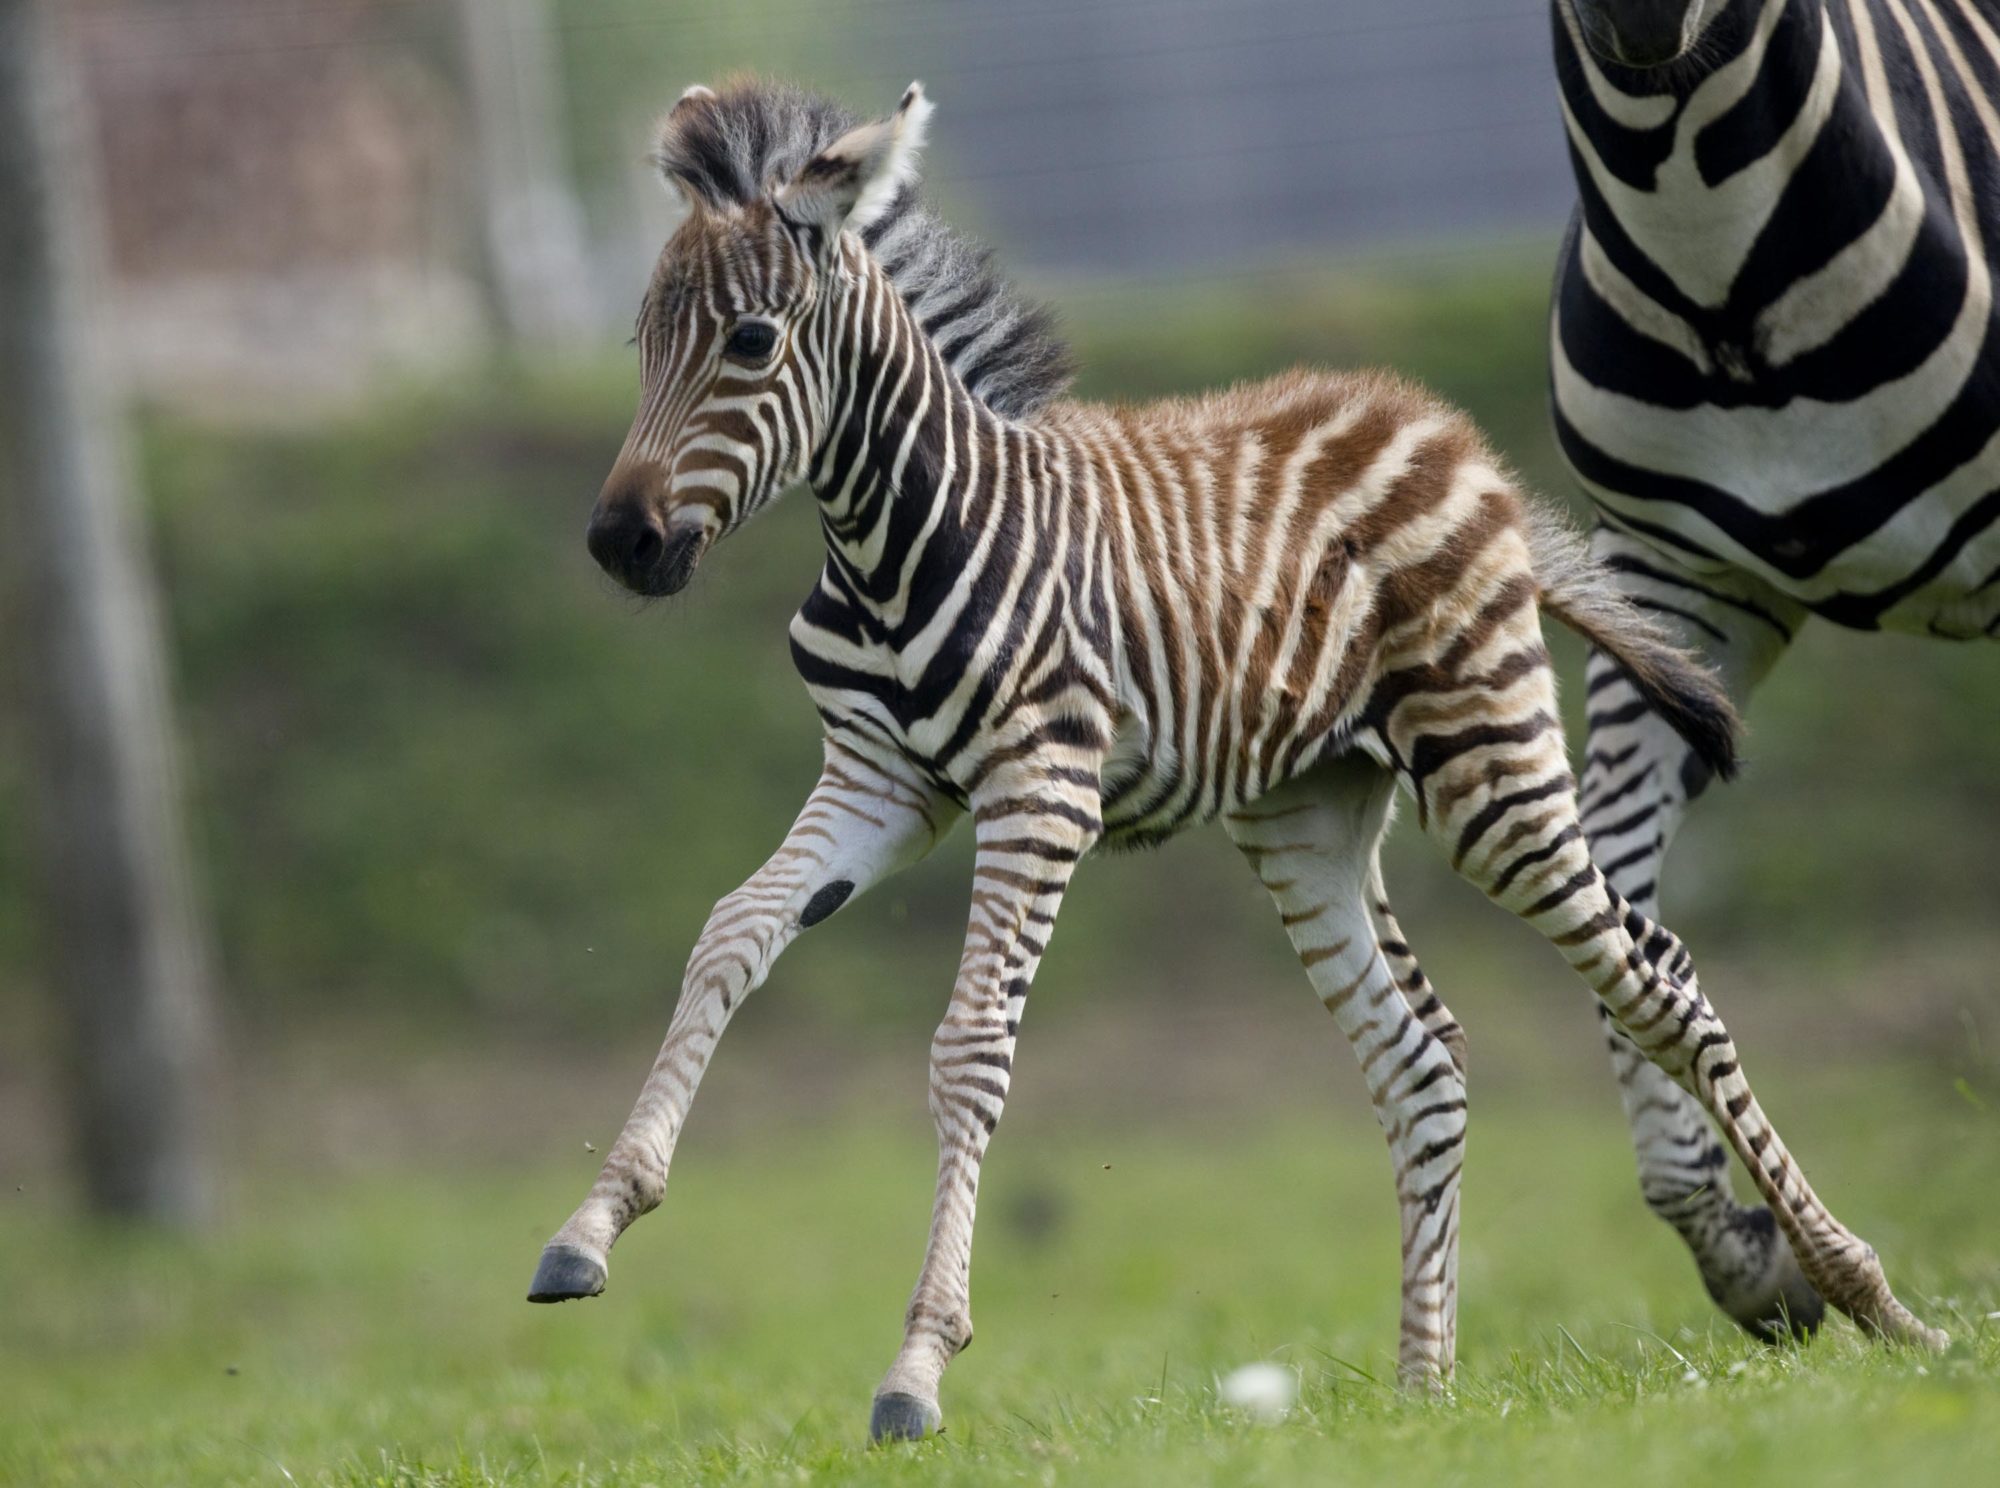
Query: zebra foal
1085, 626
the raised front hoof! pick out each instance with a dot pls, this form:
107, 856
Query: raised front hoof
900, 1417
566, 1273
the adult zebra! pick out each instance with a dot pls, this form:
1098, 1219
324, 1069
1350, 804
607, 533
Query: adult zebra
1269, 606
1774, 372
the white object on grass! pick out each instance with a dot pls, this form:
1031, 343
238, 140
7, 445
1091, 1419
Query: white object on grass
1264, 1392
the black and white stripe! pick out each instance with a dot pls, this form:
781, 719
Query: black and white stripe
1773, 337
1776, 374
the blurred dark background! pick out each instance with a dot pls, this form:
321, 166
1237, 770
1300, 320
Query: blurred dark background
456, 808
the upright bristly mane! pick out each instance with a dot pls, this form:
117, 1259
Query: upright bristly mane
732, 147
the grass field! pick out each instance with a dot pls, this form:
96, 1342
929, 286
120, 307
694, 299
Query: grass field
449, 792
372, 1332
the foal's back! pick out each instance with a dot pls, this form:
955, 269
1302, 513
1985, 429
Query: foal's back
1279, 545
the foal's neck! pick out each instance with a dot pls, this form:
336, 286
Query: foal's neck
912, 463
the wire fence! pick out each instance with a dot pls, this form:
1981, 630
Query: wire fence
256, 147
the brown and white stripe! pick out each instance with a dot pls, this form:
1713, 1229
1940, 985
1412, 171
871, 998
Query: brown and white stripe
1097, 626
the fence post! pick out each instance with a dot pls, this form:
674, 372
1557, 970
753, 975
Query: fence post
126, 948
533, 263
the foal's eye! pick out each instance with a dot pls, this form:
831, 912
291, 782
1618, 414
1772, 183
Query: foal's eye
752, 340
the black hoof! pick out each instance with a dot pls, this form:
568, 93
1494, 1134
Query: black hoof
1797, 1316
900, 1417
1752, 1276
565, 1274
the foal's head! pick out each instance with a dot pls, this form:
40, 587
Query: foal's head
734, 332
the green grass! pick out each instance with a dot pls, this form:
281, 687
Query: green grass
371, 1332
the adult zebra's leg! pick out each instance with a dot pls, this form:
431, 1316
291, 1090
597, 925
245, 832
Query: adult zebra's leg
863, 822
1312, 842
1498, 795
1637, 783
1031, 830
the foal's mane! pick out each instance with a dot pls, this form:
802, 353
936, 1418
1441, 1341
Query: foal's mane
753, 135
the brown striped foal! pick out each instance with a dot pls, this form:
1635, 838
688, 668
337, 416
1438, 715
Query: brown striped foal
1085, 626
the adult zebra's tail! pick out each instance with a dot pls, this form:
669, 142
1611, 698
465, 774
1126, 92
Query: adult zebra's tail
1578, 590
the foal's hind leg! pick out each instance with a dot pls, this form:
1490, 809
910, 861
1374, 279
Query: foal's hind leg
1312, 842
1408, 975
1497, 791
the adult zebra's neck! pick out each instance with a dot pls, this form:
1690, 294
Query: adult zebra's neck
904, 447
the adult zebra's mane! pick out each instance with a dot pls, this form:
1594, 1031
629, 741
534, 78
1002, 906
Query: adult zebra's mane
735, 147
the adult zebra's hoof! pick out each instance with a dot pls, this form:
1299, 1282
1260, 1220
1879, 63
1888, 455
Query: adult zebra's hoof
565, 1274
900, 1417
1794, 1313
1760, 1284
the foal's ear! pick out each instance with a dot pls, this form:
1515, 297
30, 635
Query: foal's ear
692, 153
852, 182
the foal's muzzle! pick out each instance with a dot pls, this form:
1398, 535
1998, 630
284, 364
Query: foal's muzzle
636, 548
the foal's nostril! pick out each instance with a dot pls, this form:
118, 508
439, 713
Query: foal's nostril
626, 541
603, 538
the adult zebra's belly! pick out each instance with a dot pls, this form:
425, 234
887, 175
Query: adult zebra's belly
1882, 513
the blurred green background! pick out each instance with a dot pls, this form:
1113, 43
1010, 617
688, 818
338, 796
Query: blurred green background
459, 807
447, 778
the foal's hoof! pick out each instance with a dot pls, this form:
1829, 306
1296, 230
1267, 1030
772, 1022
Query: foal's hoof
1892, 1322
566, 1273
900, 1417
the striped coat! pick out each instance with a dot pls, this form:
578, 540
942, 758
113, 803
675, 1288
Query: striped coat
1091, 626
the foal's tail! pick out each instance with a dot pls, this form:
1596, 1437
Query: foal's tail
1578, 590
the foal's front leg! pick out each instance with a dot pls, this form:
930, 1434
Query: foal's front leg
863, 822
1030, 831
